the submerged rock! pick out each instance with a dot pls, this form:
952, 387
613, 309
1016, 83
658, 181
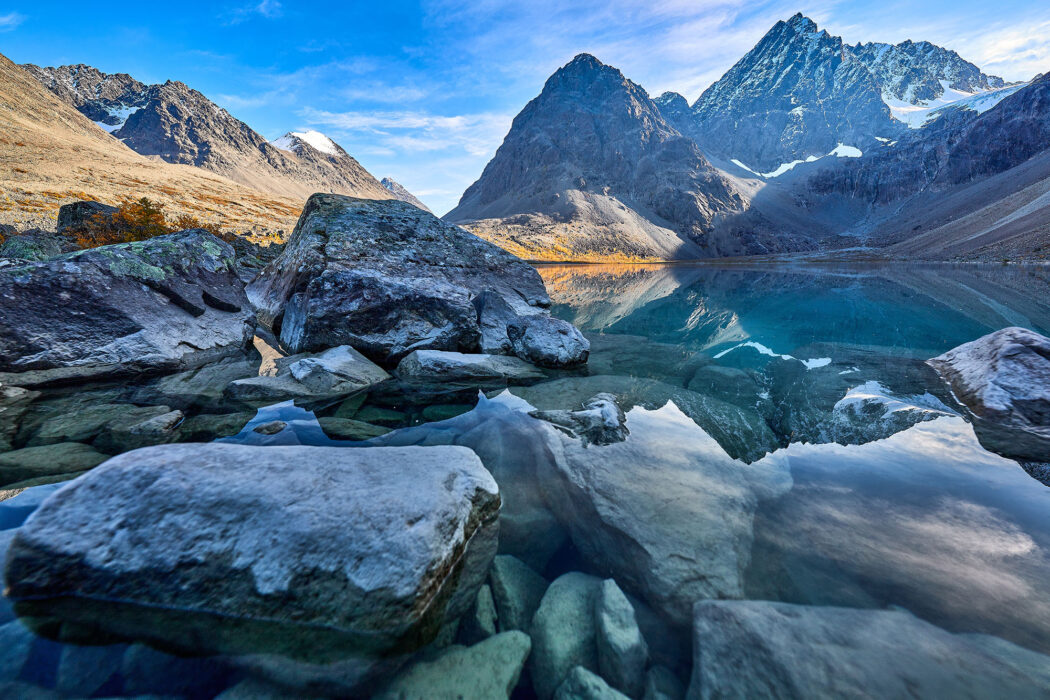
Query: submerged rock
763, 649
581, 684
1004, 379
622, 651
166, 304
452, 366
388, 278
47, 460
662, 684
486, 671
517, 591
14, 402
564, 634
304, 562
481, 620
335, 372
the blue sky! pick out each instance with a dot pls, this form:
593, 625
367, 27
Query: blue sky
424, 91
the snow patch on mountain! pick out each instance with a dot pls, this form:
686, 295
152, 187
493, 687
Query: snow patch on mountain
840, 151
812, 363
290, 142
922, 112
121, 114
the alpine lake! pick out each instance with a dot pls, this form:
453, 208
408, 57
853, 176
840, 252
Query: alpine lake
785, 441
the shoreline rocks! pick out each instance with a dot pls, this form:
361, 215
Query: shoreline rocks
453, 366
388, 278
166, 304
335, 372
227, 549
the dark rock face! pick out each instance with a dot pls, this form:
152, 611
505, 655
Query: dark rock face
675, 110
593, 144
800, 92
399, 191
388, 278
101, 97
169, 303
75, 215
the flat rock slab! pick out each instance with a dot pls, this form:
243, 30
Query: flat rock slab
335, 372
166, 304
388, 278
298, 551
452, 366
752, 649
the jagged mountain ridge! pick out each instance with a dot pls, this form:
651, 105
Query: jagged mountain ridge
591, 168
402, 193
51, 154
800, 92
177, 124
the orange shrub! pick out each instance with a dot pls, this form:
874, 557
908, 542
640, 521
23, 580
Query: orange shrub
137, 220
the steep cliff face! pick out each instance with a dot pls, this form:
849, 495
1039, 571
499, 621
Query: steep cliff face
590, 164
180, 125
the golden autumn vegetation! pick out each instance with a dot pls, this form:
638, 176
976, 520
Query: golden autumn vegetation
137, 220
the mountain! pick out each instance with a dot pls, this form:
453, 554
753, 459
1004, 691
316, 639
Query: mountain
399, 191
180, 125
962, 187
51, 154
592, 171
801, 93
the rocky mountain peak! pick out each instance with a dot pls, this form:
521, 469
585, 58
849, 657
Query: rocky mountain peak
401, 192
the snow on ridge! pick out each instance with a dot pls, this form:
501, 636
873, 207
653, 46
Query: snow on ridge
918, 114
290, 142
121, 112
840, 151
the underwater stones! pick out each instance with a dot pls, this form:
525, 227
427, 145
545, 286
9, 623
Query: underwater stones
548, 342
622, 651
581, 684
452, 366
766, 649
147, 671
601, 421
16, 642
388, 278
267, 552
1004, 379
517, 591
480, 621
84, 423
151, 431
14, 402
47, 460
334, 372
563, 632
662, 684
84, 670
486, 671
166, 304
666, 512
350, 429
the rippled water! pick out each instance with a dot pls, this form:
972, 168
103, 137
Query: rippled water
786, 442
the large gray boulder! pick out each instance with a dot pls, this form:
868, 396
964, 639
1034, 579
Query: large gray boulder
564, 634
76, 215
277, 555
748, 649
457, 366
671, 524
169, 303
335, 372
388, 278
486, 671
1004, 379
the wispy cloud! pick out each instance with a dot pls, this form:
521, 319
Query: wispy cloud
267, 9
10, 21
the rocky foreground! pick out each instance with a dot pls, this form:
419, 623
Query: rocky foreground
556, 541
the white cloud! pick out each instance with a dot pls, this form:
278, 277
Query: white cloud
270, 9
11, 21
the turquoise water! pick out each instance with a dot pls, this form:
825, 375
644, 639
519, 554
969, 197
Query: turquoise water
785, 437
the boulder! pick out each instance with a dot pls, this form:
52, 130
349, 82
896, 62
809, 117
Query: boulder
480, 622
485, 671
581, 684
31, 246
16, 643
766, 649
166, 304
84, 670
388, 278
1004, 379
334, 372
563, 632
47, 460
601, 421
517, 591
662, 684
548, 342
622, 651
671, 524
284, 556
76, 215
442, 365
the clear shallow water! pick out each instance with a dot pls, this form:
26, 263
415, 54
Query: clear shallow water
785, 436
